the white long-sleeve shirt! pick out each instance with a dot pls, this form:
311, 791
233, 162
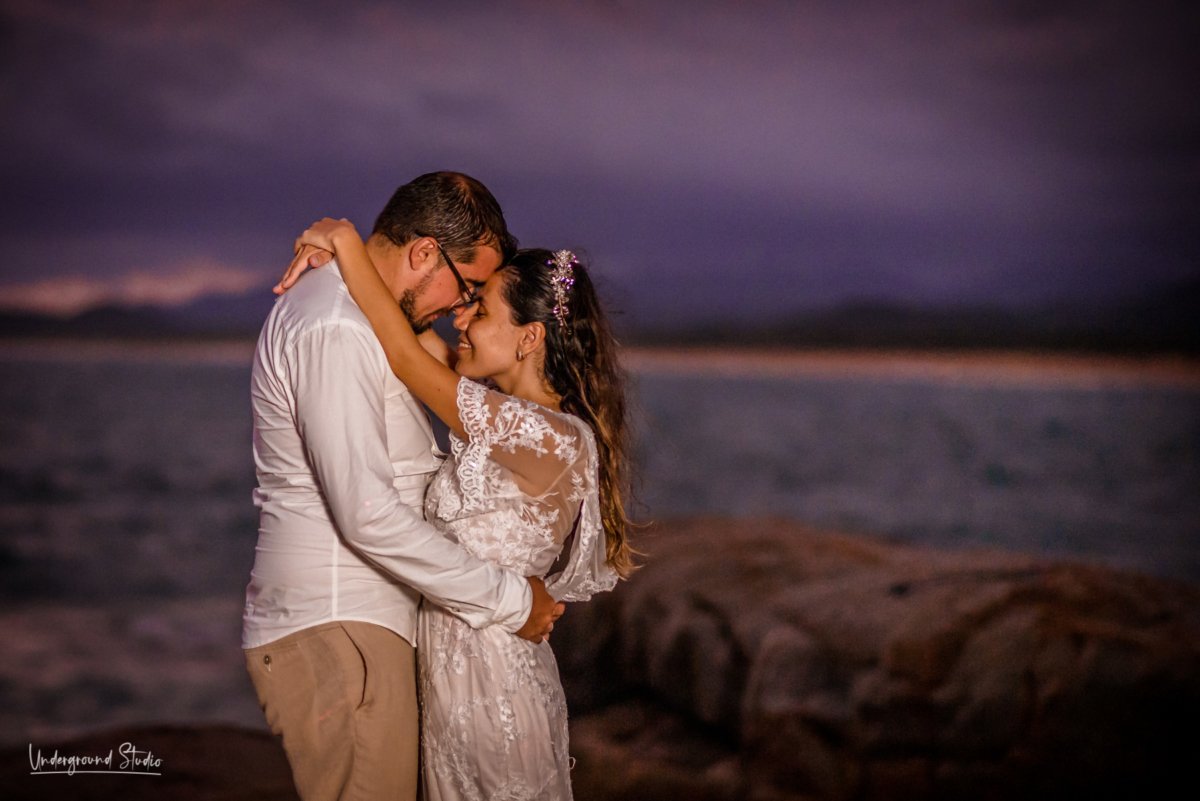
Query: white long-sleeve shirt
343, 454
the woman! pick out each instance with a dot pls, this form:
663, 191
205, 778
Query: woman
537, 463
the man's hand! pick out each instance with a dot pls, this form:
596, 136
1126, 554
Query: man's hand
542, 615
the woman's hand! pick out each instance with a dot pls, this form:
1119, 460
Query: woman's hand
315, 248
307, 256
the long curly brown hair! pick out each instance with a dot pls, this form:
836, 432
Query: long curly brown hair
581, 367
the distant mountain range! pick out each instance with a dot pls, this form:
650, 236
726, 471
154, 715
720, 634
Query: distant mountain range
1168, 322
211, 316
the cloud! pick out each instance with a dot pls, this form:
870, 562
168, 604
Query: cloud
934, 152
870, 106
174, 286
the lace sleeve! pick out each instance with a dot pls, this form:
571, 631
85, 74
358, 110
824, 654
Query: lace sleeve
585, 571
532, 442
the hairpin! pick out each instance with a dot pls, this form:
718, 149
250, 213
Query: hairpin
562, 278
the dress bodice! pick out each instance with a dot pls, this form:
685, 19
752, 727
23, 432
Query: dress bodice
512, 492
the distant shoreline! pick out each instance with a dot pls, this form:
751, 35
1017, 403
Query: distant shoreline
982, 367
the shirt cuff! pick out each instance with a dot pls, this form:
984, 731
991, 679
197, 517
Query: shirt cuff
516, 603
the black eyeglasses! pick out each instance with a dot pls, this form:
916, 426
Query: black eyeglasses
469, 294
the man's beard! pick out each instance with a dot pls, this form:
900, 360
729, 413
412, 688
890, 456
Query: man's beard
408, 305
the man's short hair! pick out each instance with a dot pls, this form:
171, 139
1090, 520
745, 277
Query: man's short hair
455, 209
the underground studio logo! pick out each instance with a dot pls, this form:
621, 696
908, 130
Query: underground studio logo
126, 760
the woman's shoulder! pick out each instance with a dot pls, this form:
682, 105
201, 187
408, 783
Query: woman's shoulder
567, 422
486, 391
505, 410
585, 438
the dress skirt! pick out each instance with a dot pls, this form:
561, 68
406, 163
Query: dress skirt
493, 714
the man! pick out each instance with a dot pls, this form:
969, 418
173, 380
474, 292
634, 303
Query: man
343, 454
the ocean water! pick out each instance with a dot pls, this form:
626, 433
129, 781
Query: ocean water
127, 531
1109, 474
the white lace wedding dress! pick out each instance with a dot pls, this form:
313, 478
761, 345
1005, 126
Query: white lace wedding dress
493, 714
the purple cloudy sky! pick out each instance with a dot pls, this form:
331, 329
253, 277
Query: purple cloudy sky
716, 160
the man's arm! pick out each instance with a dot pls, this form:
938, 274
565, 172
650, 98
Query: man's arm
338, 385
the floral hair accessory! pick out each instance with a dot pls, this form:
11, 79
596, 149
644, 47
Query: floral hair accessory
562, 278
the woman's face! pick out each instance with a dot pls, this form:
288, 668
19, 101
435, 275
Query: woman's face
488, 340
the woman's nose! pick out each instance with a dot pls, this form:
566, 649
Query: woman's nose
462, 317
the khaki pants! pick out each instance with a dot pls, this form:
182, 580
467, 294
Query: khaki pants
343, 696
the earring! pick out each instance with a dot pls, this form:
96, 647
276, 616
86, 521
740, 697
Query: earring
520, 356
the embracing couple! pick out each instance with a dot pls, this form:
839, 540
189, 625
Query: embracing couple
387, 573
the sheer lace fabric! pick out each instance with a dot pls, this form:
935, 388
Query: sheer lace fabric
494, 718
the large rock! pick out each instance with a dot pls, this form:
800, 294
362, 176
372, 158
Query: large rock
762, 660
840, 667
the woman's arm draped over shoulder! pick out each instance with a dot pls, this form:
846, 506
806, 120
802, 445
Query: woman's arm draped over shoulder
536, 445
429, 379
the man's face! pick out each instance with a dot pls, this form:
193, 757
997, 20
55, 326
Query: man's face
436, 292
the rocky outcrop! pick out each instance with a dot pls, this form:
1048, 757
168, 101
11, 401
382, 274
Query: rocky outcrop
762, 660
838, 667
